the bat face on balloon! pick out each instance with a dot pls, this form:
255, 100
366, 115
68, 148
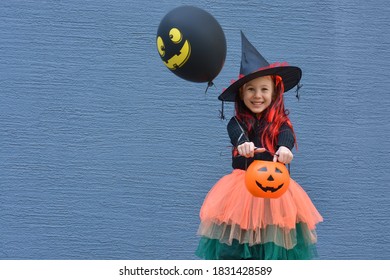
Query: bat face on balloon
180, 46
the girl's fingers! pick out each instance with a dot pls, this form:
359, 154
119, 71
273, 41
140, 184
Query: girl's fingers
283, 155
246, 149
251, 150
259, 150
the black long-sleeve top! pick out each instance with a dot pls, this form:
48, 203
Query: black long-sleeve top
238, 134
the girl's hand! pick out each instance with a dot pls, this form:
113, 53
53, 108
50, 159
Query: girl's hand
283, 155
248, 149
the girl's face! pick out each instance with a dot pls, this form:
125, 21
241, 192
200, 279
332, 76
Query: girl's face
257, 94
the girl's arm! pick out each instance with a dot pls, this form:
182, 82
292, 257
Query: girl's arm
239, 139
236, 132
285, 145
286, 137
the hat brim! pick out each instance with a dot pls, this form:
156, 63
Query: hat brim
291, 75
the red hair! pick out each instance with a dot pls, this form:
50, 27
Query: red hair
275, 116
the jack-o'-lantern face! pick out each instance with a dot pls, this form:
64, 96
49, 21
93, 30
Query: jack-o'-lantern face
191, 44
267, 179
181, 49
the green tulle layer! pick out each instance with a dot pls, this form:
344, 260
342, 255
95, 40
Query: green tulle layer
213, 249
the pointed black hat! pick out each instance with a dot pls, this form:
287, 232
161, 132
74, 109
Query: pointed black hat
254, 65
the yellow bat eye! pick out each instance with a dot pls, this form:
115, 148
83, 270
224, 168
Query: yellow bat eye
160, 46
175, 35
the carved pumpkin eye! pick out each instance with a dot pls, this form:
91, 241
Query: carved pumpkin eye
160, 46
267, 179
175, 35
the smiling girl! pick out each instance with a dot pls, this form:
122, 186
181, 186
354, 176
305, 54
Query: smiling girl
234, 223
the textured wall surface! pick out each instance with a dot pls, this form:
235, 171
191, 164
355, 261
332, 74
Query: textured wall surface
105, 154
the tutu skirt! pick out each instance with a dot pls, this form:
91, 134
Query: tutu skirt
237, 225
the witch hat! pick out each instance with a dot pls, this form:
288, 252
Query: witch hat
254, 65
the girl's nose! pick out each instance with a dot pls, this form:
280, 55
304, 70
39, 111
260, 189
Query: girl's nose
258, 93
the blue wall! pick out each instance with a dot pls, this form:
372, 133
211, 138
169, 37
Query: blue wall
105, 154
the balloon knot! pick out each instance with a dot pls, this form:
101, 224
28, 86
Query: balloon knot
209, 84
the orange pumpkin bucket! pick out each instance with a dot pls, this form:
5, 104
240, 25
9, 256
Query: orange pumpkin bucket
267, 179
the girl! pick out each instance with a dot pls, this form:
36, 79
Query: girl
234, 223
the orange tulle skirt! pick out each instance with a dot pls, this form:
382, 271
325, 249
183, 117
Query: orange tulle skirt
231, 214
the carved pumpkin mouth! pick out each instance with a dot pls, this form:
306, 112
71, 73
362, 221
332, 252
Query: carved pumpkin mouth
270, 189
178, 60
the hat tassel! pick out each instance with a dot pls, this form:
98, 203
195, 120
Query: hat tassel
221, 112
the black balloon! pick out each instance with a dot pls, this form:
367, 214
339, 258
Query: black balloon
192, 44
